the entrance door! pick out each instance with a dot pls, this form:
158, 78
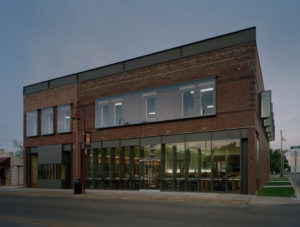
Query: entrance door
34, 171
152, 174
150, 163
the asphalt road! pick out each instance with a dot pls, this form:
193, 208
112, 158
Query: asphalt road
18, 210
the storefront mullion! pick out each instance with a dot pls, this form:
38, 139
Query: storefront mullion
95, 168
141, 168
87, 168
162, 166
131, 167
121, 168
174, 166
104, 173
199, 160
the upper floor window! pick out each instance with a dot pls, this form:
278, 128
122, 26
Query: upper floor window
64, 118
101, 114
118, 113
32, 123
189, 99
207, 98
188, 96
47, 121
150, 108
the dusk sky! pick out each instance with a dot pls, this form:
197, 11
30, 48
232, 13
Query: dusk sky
42, 40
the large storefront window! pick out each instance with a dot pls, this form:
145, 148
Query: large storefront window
199, 166
64, 118
174, 166
184, 100
208, 166
226, 165
47, 121
93, 168
32, 123
50, 172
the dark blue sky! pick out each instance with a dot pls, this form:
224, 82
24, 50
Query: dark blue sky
41, 40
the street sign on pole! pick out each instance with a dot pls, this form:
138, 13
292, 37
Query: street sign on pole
295, 147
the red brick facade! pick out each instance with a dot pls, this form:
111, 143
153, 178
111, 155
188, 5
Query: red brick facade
238, 84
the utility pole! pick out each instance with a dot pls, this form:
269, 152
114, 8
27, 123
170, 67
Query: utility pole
282, 154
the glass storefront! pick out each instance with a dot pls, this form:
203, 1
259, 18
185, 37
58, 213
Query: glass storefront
204, 166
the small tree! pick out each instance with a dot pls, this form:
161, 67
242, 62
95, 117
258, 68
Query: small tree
19, 147
275, 161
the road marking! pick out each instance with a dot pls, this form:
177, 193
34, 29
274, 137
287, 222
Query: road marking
47, 223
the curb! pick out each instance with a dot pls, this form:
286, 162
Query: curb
176, 197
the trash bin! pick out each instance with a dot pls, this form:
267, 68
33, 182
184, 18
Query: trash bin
77, 186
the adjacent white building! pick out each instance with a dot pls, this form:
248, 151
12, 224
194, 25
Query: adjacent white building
11, 169
294, 160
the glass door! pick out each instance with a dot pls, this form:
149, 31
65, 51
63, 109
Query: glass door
152, 174
151, 166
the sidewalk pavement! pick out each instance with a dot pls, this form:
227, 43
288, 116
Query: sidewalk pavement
153, 196
296, 187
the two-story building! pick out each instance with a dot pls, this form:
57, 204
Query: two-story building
191, 118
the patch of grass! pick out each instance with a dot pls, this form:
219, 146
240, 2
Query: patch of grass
280, 192
278, 179
277, 183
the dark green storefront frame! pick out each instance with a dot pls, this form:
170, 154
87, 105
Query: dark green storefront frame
241, 134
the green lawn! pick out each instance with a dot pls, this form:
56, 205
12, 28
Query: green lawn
278, 179
280, 192
277, 183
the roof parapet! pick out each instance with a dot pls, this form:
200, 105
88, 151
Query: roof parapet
199, 47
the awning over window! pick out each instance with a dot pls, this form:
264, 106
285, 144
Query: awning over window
4, 162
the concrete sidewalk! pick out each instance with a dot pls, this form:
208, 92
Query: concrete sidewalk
155, 196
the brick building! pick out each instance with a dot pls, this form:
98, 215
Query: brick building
191, 118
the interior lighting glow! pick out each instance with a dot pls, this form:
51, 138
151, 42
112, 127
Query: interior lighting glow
207, 89
208, 107
192, 92
118, 104
151, 113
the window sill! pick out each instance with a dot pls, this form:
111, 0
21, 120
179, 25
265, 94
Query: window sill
32, 136
61, 133
50, 134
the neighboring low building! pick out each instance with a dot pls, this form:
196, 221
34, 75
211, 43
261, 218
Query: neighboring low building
11, 169
293, 158
191, 118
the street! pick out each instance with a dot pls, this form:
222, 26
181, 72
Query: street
20, 210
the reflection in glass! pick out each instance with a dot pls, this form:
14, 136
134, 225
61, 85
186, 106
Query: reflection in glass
150, 108
47, 121
233, 169
104, 116
126, 151
180, 170
151, 164
32, 123
193, 149
207, 100
64, 118
157, 104
192, 166
188, 103
49, 172
118, 113
169, 161
226, 165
